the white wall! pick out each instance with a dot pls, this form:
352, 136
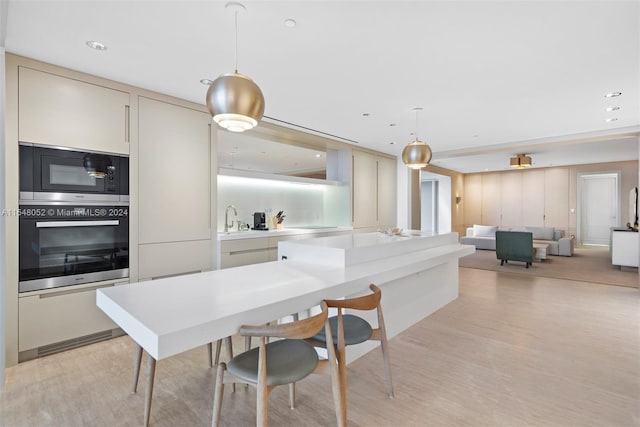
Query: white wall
2, 223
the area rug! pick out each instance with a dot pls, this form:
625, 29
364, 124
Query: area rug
592, 264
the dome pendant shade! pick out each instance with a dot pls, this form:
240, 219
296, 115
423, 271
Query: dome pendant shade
235, 102
416, 155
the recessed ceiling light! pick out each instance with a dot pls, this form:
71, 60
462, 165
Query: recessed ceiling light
290, 22
96, 45
207, 82
392, 124
610, 119
318, 156
366, 114
392, 143
610, 109
613, 94
476, 135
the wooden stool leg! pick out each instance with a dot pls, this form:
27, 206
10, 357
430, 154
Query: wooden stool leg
387, 365
217, 397
151, 372
292, 395
229, 348
218, 349
210, 354
136, 369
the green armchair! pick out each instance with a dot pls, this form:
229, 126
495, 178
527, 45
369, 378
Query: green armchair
514, 246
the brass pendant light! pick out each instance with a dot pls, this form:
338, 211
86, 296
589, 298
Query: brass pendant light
416, 154
521, 161
234, 100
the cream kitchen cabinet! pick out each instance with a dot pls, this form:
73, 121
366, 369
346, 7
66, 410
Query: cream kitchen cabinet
373, 190
234, 253
52, 321
70, 113
174, 189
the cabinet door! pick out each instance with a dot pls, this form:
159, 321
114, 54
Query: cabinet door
70, 113
387, 192
533, 195
511, 200
364, 190
173, 173
491, 199
556, 198
472, 199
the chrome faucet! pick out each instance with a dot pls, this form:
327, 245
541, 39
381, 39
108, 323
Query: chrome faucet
226, 217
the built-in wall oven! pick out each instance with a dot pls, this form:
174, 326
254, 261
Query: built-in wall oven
73, 217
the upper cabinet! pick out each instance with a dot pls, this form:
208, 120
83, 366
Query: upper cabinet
373, 190
66, 112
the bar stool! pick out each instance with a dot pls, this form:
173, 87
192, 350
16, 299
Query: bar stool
348, 329
280, 362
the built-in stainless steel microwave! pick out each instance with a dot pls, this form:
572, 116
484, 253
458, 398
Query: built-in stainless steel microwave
54, 174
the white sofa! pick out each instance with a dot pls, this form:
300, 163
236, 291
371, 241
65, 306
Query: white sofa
483, 237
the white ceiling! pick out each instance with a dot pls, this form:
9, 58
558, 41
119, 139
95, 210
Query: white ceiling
494, 78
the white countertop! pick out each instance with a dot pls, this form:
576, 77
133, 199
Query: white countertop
172, 315
252, 234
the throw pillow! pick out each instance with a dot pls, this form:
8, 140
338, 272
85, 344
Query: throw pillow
541, 233
485, 230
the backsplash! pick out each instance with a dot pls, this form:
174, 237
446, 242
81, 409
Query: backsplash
303, 204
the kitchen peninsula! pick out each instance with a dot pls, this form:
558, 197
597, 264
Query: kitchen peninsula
418, 274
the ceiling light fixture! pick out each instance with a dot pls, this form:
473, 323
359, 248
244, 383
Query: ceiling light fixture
610, 109
416, 154
613, 94
610, 119
234, 100
290, 22
520, 161
207, 82
96, 45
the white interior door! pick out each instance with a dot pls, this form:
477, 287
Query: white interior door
429, 205
599, 207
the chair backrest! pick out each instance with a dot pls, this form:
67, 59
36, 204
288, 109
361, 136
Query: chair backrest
514, 245
367, 302
299, 329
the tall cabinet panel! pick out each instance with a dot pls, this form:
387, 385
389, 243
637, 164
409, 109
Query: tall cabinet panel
491, 199
472, 199
70, 113
364, 194
174, 175
556, 202
533, 198
511, 200
387, 192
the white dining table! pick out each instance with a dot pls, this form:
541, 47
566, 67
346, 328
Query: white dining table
169, 316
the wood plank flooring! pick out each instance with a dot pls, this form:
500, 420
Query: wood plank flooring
512, 350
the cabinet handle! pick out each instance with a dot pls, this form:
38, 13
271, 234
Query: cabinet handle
127, 121
75, 291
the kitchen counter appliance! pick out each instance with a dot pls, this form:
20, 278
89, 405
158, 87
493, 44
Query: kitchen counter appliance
259, 221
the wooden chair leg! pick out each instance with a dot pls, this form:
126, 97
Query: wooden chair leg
229, 348
217, 397
262, 401
292, 395
136, 369
218, 350
210, 354
151, 372
384, 344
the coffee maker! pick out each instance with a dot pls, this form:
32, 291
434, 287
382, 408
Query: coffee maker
259, 221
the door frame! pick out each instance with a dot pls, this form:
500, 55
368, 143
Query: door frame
581, 176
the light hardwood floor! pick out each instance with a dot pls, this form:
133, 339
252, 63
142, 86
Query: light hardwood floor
513, 350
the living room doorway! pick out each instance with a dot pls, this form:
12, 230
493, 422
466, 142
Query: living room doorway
435, 202
599, 207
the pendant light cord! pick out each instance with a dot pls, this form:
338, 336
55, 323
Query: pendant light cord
416, 132
236, 55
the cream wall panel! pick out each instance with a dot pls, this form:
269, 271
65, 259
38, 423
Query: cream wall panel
173, 173
511, 200
47, 319
556, 200
533, 189
168, 259
387, 192
472, 199
364, 191
66, 112
491, 199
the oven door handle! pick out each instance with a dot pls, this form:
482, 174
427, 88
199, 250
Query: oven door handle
54, 224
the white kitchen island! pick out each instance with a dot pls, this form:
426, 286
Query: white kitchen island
417, 274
